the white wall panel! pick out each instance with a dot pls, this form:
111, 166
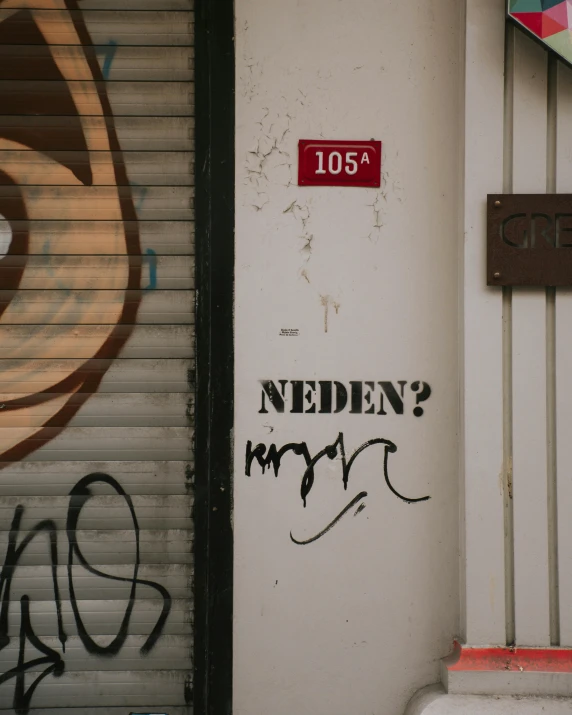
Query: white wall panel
529, 363
483, 559
357, 620
563, 379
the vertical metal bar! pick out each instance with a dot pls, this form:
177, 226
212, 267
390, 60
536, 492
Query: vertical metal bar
507, 354
461, 330
551, 148
213, 543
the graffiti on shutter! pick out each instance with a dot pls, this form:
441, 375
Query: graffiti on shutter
96, 348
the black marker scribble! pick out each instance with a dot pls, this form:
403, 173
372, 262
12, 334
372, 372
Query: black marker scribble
13, 555
272, 456
53, 661
332, 451
344, 511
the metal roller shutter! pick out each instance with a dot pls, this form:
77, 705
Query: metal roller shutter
96, 355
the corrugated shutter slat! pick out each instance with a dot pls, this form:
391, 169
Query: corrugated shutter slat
96, 355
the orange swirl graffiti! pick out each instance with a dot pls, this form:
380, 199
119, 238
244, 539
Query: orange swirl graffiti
30, 417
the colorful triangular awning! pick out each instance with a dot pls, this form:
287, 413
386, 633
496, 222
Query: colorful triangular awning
548, 20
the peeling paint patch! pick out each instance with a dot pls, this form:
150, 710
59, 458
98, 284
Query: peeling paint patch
378, 212
301, 212
268, 161
250, 79
261, 202
306, 249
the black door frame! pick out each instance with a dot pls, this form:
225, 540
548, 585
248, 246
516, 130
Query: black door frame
214, 205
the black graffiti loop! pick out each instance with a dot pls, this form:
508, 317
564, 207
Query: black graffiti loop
79, 497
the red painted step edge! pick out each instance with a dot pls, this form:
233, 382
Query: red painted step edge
539, 660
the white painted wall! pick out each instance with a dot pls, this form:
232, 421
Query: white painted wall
357, 621
516, 350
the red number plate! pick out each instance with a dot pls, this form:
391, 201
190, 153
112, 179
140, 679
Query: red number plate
334, 163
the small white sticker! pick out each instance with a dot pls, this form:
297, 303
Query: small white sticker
289, 332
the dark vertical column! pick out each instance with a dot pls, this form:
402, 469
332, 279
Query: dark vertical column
215, 355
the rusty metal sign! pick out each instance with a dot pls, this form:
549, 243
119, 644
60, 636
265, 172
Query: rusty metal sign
529, 240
